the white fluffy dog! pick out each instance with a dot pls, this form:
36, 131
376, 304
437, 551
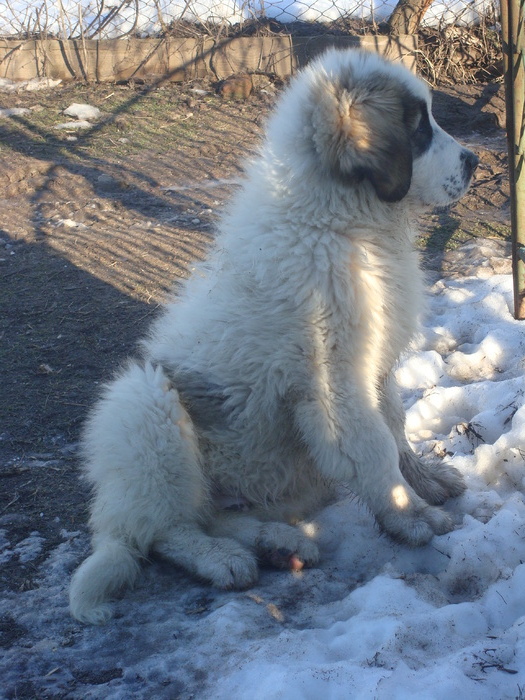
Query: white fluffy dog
269, 380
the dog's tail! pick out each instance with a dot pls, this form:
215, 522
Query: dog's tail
111, 567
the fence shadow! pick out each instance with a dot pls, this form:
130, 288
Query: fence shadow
65, 324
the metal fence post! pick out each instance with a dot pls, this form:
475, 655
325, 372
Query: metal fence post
513, 34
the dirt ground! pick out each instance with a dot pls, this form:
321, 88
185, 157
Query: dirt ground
97, 225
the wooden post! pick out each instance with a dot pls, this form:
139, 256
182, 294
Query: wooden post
513, 35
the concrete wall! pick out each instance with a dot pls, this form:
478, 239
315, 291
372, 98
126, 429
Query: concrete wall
180, 59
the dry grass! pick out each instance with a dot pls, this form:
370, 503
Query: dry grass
456, 55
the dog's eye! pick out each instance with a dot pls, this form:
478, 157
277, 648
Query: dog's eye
420, 128
422, 135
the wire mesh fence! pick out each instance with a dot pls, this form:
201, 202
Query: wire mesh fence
111, 19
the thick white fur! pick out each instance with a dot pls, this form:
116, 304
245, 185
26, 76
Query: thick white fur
269, 378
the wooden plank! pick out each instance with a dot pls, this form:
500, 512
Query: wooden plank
251, 55
181, 59
395, 48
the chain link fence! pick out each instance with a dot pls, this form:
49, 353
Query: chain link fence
458, 40
111, 19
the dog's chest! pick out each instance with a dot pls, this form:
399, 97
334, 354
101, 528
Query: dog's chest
370, 309
388, 305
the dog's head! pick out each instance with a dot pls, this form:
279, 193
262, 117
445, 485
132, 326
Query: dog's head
363, 119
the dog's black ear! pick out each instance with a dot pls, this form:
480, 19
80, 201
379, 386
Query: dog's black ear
390, 168
361, 133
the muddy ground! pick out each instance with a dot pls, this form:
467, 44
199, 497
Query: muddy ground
97, 225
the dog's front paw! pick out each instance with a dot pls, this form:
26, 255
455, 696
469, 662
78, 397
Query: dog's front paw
411, 521
433, 481
285, 547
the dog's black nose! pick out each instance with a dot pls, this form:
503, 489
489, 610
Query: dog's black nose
470, 162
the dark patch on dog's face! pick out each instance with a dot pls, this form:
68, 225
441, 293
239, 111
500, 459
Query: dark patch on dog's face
421, 137
379, 127
409, 138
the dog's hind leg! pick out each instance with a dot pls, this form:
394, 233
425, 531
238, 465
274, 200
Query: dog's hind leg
142, 459
219, 560
275, 543
434, 481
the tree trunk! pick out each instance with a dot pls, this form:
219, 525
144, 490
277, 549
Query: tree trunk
407, 16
